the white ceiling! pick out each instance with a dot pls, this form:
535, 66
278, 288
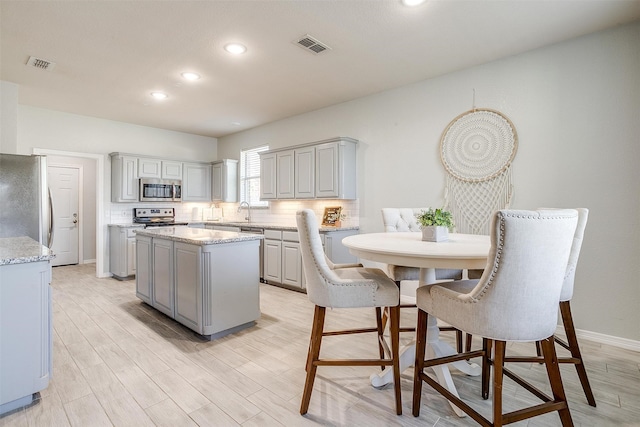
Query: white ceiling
110, 55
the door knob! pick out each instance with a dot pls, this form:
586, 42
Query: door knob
75, 221
75, 218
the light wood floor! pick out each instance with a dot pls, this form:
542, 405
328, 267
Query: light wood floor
119, 362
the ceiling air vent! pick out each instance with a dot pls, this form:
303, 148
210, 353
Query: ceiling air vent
311, 44
40, 63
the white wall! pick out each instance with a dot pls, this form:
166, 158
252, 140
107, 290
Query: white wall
575, 106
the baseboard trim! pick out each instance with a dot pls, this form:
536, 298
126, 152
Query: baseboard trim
608, 339
408, 288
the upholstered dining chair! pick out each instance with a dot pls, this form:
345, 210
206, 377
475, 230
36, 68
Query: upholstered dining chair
404, 219
571, 344
350, 287
516, 299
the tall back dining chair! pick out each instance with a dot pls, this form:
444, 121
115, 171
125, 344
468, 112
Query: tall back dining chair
516, 299
331, 286
571, 344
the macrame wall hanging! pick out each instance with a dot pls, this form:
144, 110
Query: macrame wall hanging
477, 149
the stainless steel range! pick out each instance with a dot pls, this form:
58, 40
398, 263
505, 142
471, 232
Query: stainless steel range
156, 217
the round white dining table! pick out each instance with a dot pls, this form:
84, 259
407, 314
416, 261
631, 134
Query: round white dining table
461, 251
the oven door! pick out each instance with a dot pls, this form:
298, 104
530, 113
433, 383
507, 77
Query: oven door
160, 190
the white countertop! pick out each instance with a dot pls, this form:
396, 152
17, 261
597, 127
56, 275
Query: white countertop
19, 250
197, 236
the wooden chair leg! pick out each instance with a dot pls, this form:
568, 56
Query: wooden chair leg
567, 320
486, 366
459, 340
394, 314
498, 376
380, 333
538, 349
314, 353
421, 343
469, 337
553, 372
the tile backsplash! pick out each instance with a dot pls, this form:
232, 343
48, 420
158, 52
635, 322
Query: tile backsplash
280, 212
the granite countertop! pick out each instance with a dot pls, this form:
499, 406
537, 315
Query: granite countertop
20, 250
270, 226
197, 236
127, 225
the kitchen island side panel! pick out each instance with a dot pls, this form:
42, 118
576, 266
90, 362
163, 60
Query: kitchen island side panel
231, 285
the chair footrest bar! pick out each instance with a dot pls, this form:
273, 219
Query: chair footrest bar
349, 331
529, 387
353, 362
453, 358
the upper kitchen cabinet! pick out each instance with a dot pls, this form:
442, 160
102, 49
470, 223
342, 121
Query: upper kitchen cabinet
285, 170
124, 178
320, 170
224, 181
305, 172
268, 176
336, 169
157, 168
196, 182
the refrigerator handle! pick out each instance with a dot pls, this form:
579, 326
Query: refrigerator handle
50, 235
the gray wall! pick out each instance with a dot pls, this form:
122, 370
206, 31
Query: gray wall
575, 106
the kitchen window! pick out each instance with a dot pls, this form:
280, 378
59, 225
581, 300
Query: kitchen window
250, 176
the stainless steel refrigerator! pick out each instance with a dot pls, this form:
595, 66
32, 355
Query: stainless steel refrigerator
25, 202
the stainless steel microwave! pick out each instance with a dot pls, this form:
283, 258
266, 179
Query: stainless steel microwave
160, 190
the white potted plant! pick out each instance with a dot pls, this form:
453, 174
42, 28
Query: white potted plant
435, 224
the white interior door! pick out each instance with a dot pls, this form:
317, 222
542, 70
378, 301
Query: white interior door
64, 184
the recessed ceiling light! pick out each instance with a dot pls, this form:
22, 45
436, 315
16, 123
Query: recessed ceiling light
190, 76
159, 95
412, 2
235, 48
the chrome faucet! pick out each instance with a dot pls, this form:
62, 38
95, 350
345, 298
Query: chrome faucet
248, 206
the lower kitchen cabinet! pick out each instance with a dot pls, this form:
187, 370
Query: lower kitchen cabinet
283, 261
144, 271
122, 251
25, 333
162, 297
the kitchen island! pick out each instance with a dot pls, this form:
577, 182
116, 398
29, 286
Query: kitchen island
208, 280
25, 321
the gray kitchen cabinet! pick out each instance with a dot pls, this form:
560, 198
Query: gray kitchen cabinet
272, 256
159, 168
122, 251
124, 178
162, 292
282, 259
334, 249
171, 169
26, 329
188, 285
149, 168
304, 173
144, 269
319, 170
268, 185
212, 289
285, 174
196, 182
291, 259
224, 181
336, 169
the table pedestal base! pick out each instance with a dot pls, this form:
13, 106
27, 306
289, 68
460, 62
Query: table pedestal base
435, 348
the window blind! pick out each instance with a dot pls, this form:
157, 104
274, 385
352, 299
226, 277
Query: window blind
250, 176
